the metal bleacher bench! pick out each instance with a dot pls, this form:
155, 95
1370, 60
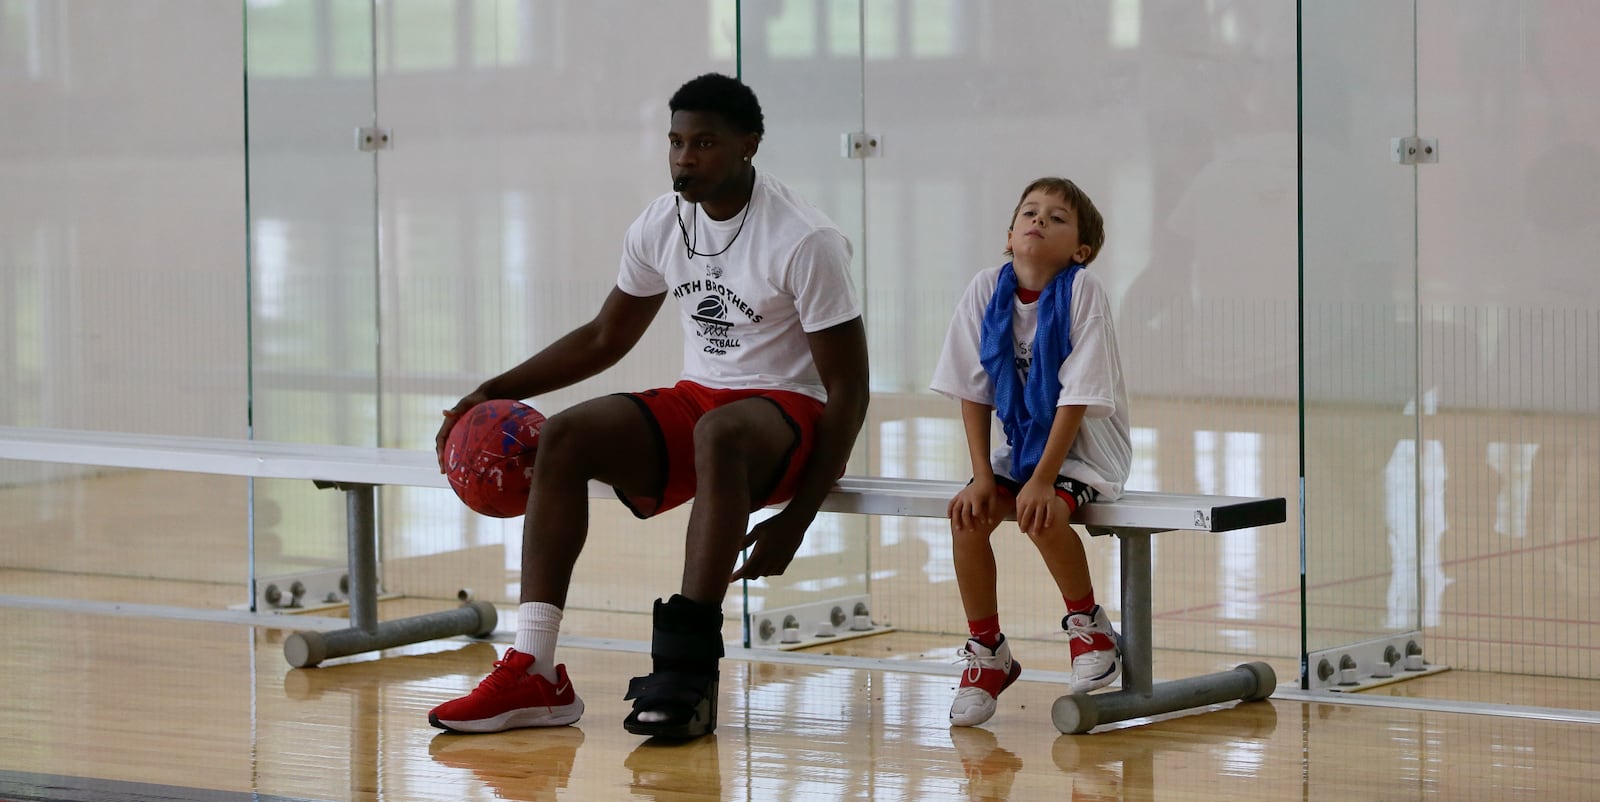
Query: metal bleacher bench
358, 471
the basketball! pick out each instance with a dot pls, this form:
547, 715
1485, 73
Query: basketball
488, 456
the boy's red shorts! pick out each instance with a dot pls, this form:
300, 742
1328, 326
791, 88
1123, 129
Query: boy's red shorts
1072, 491
673, 413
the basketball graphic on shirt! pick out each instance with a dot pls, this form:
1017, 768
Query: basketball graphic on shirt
711, 310
711, 320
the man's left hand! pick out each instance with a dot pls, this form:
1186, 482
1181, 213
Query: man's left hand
772, 545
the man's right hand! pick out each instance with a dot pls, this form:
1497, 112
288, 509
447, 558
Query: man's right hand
452, 415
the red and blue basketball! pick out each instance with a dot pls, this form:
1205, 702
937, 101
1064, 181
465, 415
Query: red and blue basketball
488, 456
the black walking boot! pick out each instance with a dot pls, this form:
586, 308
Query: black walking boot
685, 648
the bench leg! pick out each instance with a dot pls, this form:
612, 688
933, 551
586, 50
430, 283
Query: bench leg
361, 530
1136, 657
1079, 713
366, 633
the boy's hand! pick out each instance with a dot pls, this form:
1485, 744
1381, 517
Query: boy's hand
975, 506
1035, 506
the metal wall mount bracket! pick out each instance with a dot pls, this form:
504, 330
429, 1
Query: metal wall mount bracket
1414, 150
372, 138
860, 145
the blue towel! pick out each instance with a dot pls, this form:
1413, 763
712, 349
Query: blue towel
1027, 412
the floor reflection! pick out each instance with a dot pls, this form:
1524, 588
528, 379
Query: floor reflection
991, 768
531, 764
668, 769
1122, 764
1416, 581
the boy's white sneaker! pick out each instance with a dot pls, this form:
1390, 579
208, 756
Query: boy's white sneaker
988, 672
1096, 660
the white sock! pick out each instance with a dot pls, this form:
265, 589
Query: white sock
538, 624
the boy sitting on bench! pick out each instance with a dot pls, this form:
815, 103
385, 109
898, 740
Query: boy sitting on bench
1032, 342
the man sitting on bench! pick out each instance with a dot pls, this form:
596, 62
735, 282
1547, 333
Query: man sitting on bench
774, 391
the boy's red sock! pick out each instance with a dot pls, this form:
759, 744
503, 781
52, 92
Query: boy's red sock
1083, 605
986, 631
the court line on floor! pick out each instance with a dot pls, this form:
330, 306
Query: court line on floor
29, 786
172, 612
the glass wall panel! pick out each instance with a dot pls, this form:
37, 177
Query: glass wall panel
313, 310
1358, 285
528, 135
1178, 119
803, 58
357, 294
1510, 334
121, 279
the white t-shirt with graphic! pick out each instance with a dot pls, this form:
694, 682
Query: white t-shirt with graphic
1091, 375
746, 311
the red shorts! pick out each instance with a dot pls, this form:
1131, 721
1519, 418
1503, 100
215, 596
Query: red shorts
673, 413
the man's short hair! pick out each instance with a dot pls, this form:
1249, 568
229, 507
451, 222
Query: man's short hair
721, 94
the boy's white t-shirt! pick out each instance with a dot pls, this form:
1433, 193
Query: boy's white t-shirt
1091, 375
745, 311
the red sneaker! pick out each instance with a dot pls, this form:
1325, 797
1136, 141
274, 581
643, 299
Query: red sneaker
510, 697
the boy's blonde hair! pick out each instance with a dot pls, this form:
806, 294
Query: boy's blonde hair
1091, 226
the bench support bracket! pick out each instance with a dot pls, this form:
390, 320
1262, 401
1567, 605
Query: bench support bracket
813, 624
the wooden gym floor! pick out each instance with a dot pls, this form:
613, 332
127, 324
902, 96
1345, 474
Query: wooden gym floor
126, 676
129, 705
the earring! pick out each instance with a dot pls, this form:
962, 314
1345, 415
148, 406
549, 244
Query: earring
747, 158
